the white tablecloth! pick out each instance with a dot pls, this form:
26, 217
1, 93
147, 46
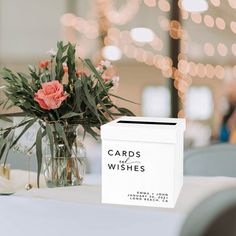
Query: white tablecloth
78, 210
22, 216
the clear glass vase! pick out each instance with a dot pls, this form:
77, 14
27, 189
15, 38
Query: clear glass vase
65, 165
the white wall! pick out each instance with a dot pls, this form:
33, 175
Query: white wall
29, 28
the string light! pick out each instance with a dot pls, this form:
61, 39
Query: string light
209, 49
129, 51
149, 59
175, 29
164, 5
181, 114
157, 44
201, 70
113, 33
219, 72
182, 56
122, 38
164, 23
234, 71
107, 41
232, 3
206, 71
229, 73
68, 20
210, 71
150, 3
209, 21
184, 46
142, 35
126, 37
192, 69
181, 83
167, 73
196, 18
82, 51
222, 49
183, 66
233, 26
112, 53
194, 6
233, 48
122, 15
176, 74
166, 63
157, 61
184, 34
139, 54
184, 14
144, 56
220, 23
215, 3
123, 41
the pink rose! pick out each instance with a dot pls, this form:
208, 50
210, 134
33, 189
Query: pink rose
51, 95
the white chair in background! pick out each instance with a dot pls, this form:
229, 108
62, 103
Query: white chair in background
18, 160
214, 160
214, 216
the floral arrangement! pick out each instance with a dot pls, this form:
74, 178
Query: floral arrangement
60, 92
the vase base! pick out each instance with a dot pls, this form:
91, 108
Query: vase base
55, 184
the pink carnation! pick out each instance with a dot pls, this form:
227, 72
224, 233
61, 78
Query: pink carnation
51, 95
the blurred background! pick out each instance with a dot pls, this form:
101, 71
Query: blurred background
175, 58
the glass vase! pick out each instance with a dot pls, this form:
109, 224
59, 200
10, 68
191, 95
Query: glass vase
65, 165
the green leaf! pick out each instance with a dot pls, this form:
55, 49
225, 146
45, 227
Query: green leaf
32, 146
5, 142
71, 65
32, 68
8, 145
6, 73
59, 64
5, 118
71, 114
61, 132
125, 111
5, 103
84, 134
98, 76
50, 137
78, 100
39, 154
124, 99
105, 108
29, 124
90, 100
89, 130
2, 149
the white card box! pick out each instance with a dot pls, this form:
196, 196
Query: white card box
142, 161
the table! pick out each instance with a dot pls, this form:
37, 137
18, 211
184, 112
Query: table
65, 211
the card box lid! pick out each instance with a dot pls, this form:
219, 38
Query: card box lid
144, 129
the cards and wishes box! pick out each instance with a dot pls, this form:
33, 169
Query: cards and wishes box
142, 161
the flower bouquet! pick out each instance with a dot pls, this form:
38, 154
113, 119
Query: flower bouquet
60, 95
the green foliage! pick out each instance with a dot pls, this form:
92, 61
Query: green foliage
88, 101
39, 153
